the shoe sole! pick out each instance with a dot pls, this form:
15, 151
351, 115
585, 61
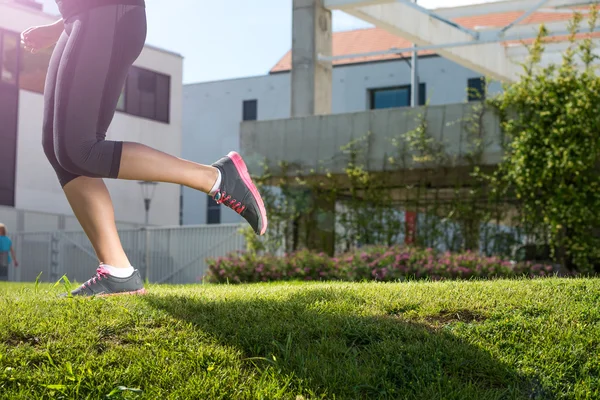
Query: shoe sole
134, 293
242, 169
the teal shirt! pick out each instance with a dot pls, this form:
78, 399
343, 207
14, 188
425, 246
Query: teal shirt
5, 245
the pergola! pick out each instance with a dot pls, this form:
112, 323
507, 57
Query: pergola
492, 52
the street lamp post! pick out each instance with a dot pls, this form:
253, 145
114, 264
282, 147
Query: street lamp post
414, 81
148, 189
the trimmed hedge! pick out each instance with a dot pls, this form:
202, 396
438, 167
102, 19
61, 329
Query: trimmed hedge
373, 263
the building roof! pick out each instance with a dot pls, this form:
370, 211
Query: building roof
376, 39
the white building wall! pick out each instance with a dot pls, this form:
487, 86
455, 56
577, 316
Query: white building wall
213, 110
211, 126
37, 188
445, 82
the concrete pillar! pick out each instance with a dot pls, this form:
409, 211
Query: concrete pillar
311, 79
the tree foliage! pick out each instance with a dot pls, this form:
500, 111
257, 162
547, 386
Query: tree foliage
551, 118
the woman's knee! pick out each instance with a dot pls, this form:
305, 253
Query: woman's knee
72, 156
63, 175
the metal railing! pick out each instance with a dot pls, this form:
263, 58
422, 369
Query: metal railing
174, 255
18, 220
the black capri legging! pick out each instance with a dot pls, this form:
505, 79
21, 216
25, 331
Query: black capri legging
87, 72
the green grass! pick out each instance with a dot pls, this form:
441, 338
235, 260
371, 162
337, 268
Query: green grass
517, 339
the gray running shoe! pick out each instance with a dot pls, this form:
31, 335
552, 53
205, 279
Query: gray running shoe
239, 193
104, 284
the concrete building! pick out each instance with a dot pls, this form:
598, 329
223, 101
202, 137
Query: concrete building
150, 112
369, 69
488, 39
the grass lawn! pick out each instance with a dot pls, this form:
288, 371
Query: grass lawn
521, 339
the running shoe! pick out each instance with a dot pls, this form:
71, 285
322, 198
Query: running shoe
239, 193
104, 284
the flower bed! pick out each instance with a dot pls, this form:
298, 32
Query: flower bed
374, 263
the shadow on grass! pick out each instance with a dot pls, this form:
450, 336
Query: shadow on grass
332, 351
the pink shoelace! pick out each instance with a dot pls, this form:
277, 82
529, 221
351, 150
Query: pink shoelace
223, 198
101, 272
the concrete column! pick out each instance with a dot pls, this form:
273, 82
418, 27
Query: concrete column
311, 79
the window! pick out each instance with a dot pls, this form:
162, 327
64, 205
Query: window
250, 110
9, 107
10, 58
34, 68
29, 70
476, 89
213, 212
147, 94
395, 97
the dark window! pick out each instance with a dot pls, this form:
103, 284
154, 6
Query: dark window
250, 110
213, 212
9, 107
392, 97
33, 70
146, 94
10, 58
476, 89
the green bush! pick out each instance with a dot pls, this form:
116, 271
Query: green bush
552, 160
372, 263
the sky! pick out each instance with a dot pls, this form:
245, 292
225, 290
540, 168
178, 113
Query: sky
226, 39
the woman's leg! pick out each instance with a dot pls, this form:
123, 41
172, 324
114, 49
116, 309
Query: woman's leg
91, 203
143, 163
88, 197
104, 44
64, 176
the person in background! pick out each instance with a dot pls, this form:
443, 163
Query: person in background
6, 251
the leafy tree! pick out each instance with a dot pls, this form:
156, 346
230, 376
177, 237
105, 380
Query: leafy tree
551, 117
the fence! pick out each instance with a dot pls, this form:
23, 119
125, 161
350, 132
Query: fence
35, 221
174, 255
